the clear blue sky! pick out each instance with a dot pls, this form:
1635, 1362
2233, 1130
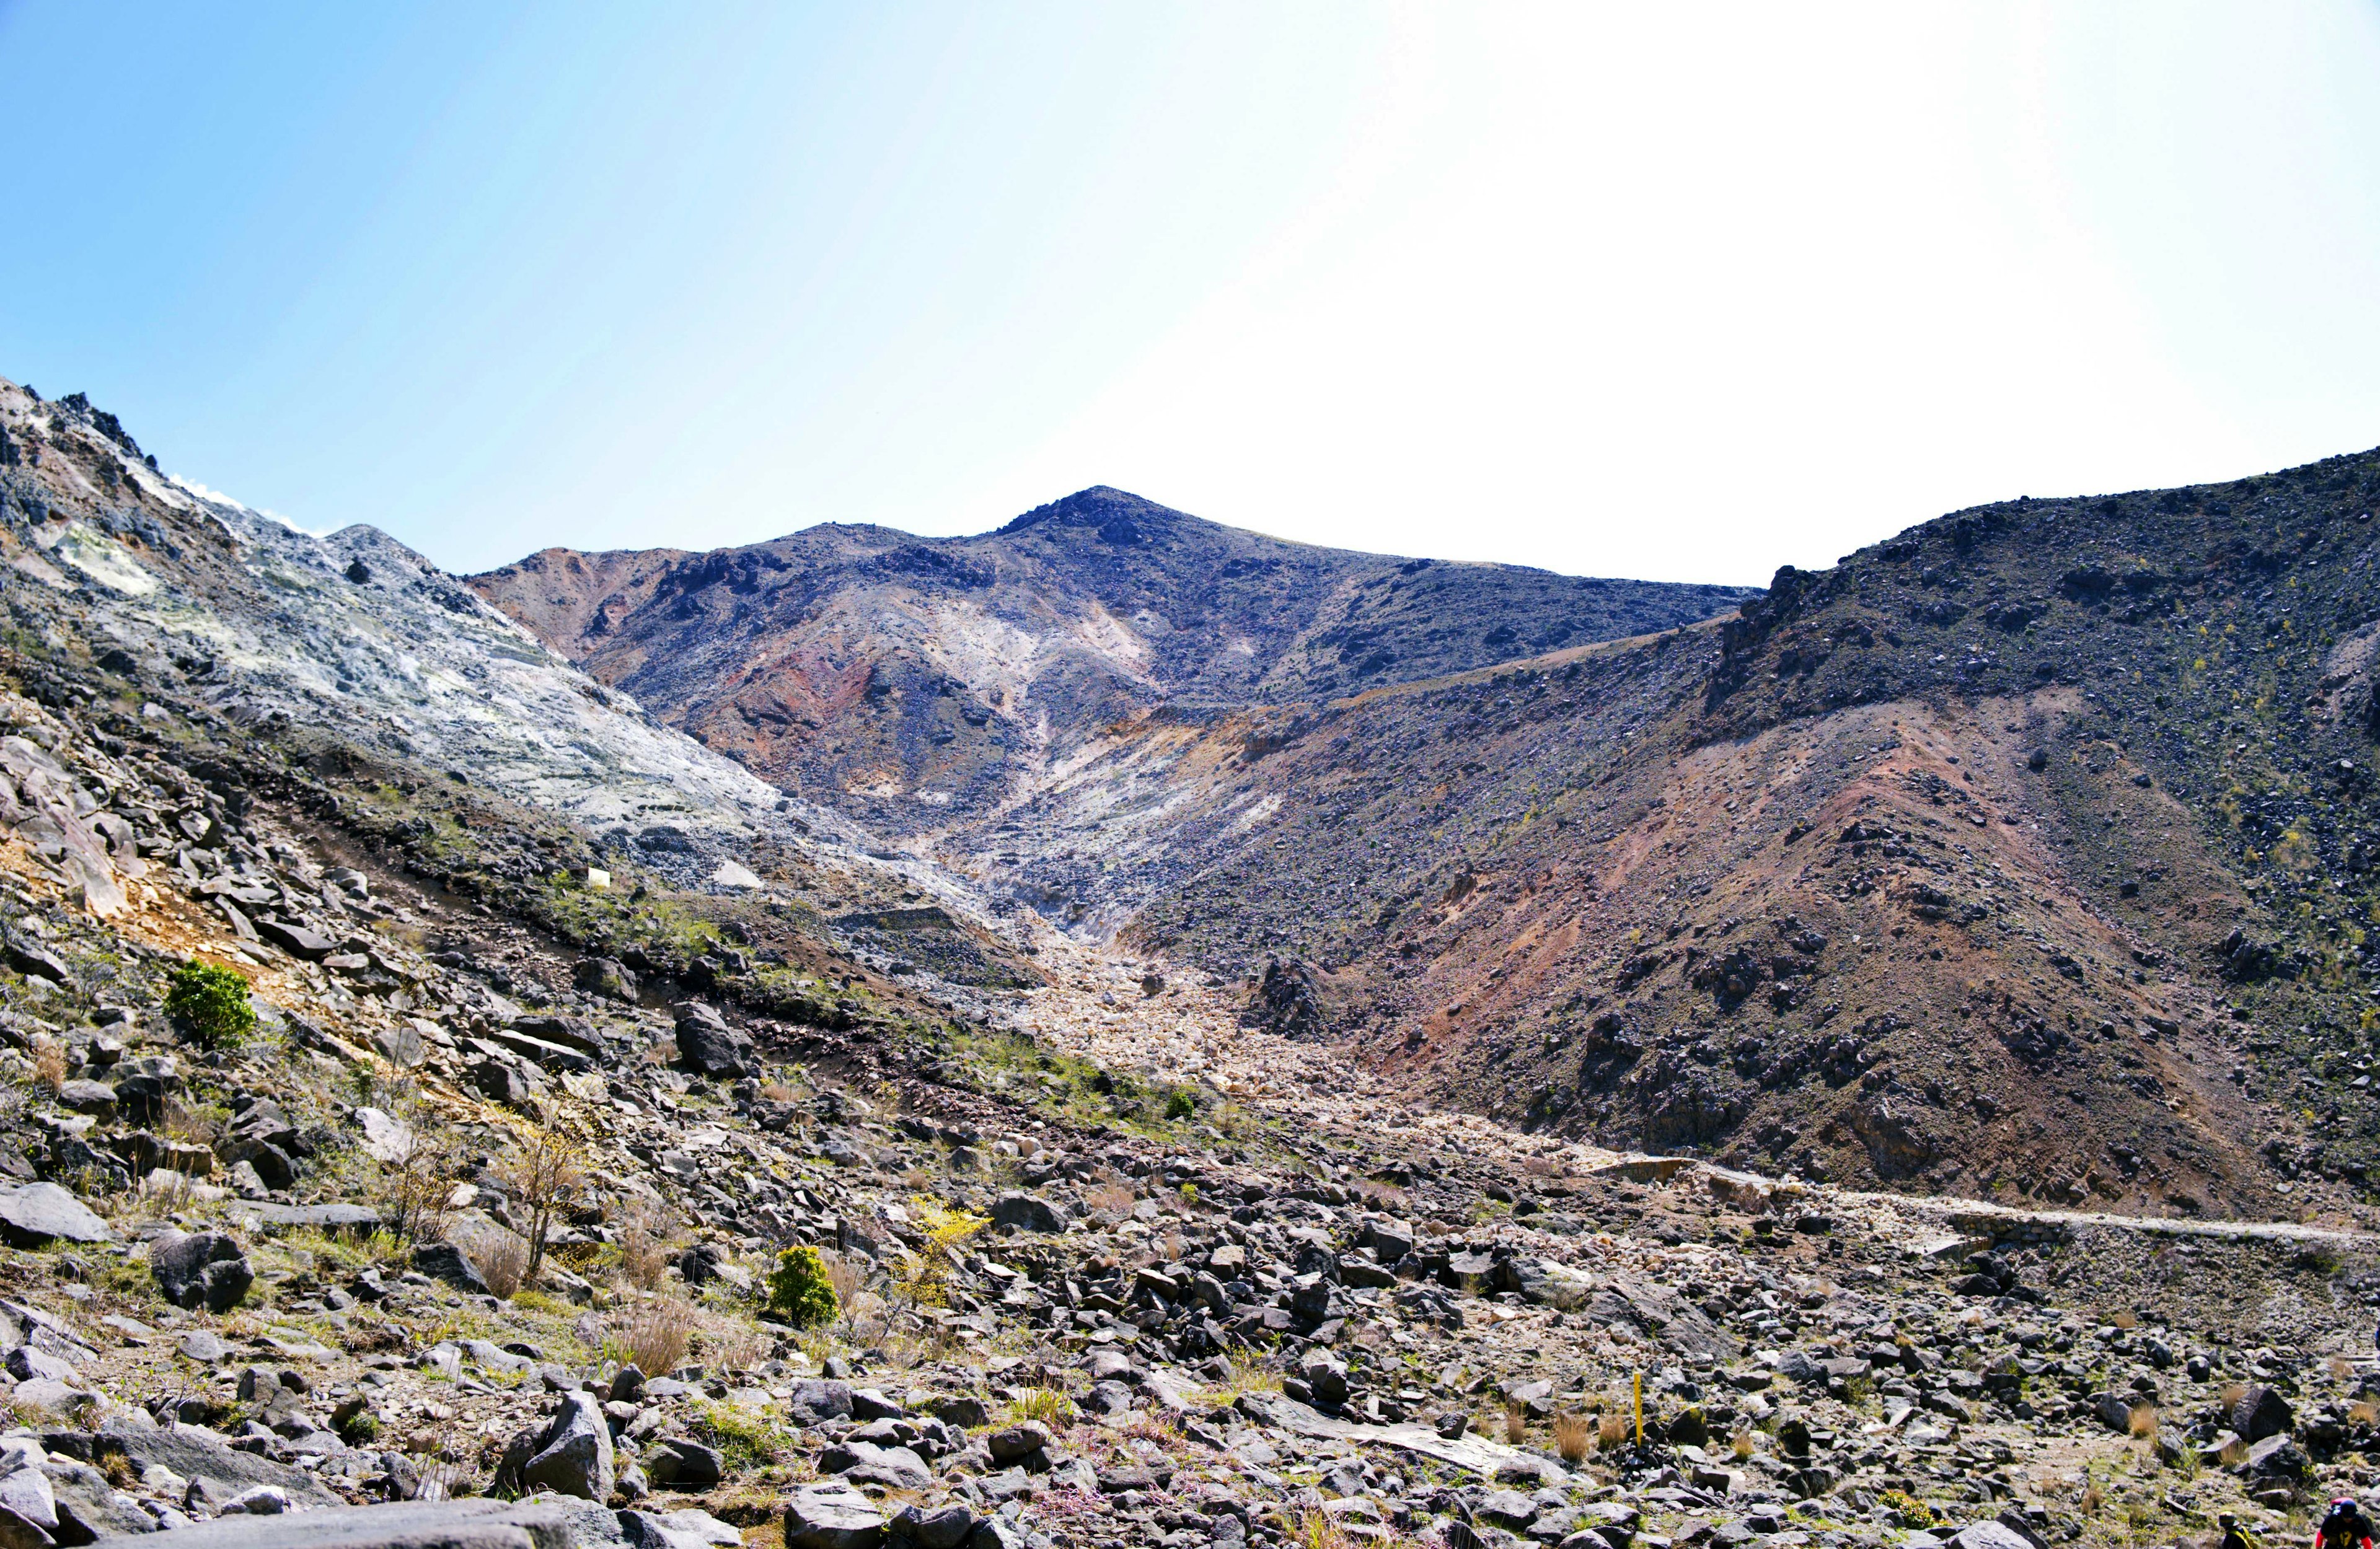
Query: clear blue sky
1682, 291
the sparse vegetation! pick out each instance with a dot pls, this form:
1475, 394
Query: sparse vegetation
211, 1003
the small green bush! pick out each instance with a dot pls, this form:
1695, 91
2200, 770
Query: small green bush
211, 1003
1179, 1106
799, 1288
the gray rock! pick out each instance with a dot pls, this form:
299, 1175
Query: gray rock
682, 1464
35, 1214
706, 1046
28, 1365
1017, 1442
89, 1096
355, 1220
444, 1261
575, 1458
2262, 1412
469, 1524
1027, 1213
2114, 1410
1507, 1509
935, 1527
689, 1528
816, 1398
25, 1494
297, 941
201, 1268
1989, 1535
832, 1517
961, 1410
401, 1045
88, 1508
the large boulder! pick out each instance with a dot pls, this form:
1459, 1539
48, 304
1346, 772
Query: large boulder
200, 1269
832, 1517
935, 1527
444, 1261
1027, 1213
706, 1045
682, 1464
34, 1215
194, 1452
2260, 1412
818, 1399
468, 1524
571, 1454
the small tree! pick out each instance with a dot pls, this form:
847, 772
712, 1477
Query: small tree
211, 1003
926, 1280
547, 1176
800, 1289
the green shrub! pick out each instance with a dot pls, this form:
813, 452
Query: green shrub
1181, 1104
211, 1003
799, 1288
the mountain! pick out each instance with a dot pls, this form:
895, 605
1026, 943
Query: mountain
929, 683
383, 994
2027, 852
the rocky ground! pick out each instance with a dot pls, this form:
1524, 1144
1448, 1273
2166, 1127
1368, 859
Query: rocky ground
1113, 1268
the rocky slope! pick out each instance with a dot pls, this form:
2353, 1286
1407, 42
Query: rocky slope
1108, 1266
2028, 851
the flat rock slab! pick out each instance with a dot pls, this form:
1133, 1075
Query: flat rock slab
33, 1214
1489, 1460
399, 1525
360, 1219
195, 1452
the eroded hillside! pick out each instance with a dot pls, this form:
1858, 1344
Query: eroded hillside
2029, 852
921, 683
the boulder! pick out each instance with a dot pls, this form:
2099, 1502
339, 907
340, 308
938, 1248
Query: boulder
706, 1046
465, 1524
1017, 1442
34, 1215
680, 1464
300, 941
87, 1097
200, 1269
444, 1261
1027, 1213
401, 1045
1989, 1536
387, 1139
816, 1398
575, 1457
934, 1527
832, 1517
2260, 1412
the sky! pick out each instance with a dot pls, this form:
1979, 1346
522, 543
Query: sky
1682, 292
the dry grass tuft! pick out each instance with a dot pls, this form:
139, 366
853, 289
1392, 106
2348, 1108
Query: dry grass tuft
1112, 1202
2126, 1319
49, 1064
1612, 1431
2339, 1368
655, 1335
1516, 1425
501, 1260
2091, 1499
2363, 1411
2143, 1421
847, 1278
2231, 1395
1573, 1436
